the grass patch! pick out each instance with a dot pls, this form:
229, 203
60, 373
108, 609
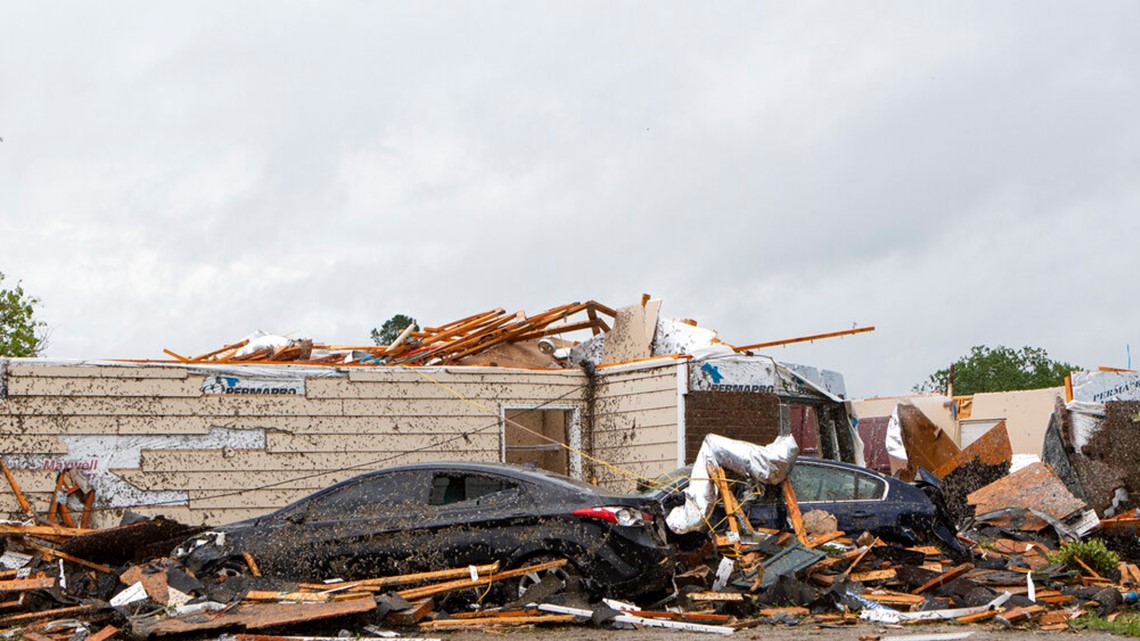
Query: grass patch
1126, 624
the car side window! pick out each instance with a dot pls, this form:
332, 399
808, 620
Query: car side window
391, 494
869, 488
820, 483
450, 488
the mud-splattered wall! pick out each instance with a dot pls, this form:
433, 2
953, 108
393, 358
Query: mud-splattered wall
150, 439
634, 424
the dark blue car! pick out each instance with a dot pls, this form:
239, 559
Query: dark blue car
860, 499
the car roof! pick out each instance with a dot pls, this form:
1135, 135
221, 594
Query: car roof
518, 472
686, 470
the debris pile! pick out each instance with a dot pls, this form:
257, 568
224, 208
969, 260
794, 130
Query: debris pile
454, 343
1030, 556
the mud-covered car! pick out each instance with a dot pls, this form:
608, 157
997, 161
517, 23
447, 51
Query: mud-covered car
431, 516
859, 498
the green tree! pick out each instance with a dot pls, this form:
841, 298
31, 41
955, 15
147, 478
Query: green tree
999, 369
20, 333
392, 328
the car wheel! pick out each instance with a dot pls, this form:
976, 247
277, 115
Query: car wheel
565, 578
230, 567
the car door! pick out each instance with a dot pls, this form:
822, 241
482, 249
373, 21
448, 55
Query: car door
853, 497
476, 517
366, 528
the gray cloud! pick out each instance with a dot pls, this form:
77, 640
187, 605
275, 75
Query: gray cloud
955, 174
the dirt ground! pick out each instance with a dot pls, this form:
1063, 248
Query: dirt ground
988, 632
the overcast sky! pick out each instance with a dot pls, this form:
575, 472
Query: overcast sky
176, 175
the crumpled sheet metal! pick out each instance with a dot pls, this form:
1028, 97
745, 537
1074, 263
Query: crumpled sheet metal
768, 464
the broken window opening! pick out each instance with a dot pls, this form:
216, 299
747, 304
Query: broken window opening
452, 489
546, 438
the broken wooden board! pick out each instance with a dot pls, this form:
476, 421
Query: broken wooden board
379, 583
1034, 486
496, 622
21, 585
944, 578
252, 616
926, 444
410, 616
991, 448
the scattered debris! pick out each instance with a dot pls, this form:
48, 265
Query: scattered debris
1027, 565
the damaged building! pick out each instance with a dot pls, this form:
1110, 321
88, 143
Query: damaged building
600, 394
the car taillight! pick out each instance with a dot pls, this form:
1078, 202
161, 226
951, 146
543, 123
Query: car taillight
617, 515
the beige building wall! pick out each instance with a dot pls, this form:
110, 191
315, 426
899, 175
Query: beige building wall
160, 446
636, 419
1026, 414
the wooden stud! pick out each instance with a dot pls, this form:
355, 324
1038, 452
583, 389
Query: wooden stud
88, 508
451, 586
50, 553
253, 569
404, 579
104, 634
816, 541
794, 511
945, 577
53, 508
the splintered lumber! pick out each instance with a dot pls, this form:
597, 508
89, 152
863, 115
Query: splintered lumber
945, 577
302, 597
24, 505
816, 541
442, 588
1017, 615
405, 579
928, 550
794, 610
53, 508
639, 620
794, 511
41, 530
20, 585
872, 575
803, 339
253, 569
715, 596
104, 634
707, 617
887, 597
1090, 571
29, 635
410, 616
272, 637
88, 508
44, 615
978, 617
496, 621
257, 615
50, 553
737, 521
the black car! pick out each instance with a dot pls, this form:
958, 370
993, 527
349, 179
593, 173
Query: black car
431, 516
859, 498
